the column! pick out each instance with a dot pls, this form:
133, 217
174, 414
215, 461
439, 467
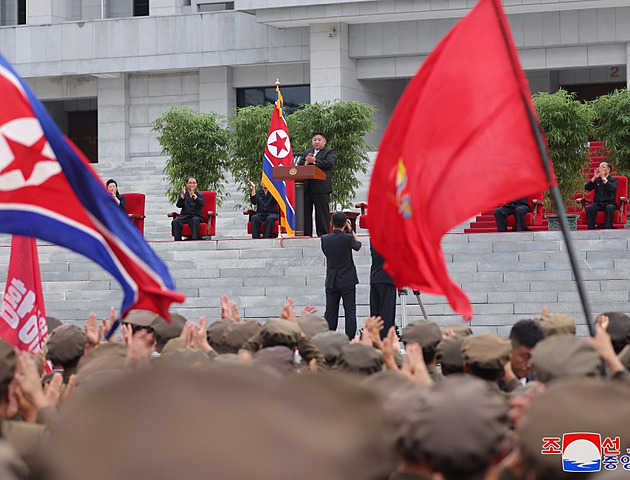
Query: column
113, 121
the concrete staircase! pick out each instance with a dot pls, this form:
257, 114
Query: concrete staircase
507, 277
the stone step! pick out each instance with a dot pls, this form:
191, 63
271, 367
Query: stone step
506, 277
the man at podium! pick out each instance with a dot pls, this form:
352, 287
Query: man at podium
317, 192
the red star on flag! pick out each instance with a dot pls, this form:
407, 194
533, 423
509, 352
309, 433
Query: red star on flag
280, 144
26, 157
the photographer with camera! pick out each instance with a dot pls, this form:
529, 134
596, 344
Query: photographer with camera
341, 274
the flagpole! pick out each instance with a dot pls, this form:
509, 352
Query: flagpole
555, 193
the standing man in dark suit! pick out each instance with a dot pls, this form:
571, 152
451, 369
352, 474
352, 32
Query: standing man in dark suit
382, 293
604, 198
341, 274
190, 201
317, 192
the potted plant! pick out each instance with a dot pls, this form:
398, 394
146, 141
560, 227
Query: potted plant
197, 145
567, 125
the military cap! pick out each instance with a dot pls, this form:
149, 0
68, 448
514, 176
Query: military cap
555, 323
573, 405
401, 407
237, 333
164, 330
279, 358
105, 357
65, 344
280, 332
460, 329
564, 355
52, 323
185, 358
618, 329
227, 358
386, 383
141, 318
460, 427
330, 344
423, 332
359, 359
173, 344
215, 333
311, 325
7, 364
487, 350
449, 354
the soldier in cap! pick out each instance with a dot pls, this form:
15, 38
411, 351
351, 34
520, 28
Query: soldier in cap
330, 345
485, 357
618, 329
164, 331
449, 355
428, 335
64, 348
565, 355
359, 359
556, 323
524, 335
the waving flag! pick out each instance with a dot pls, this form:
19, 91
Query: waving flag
23, 314
462, 139
278, 152
48, 190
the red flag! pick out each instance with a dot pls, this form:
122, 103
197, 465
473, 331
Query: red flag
461, 140
23, 317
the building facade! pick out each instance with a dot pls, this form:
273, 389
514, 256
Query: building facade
107, 68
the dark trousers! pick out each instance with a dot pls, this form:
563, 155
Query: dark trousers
349, 306
195, 226
268, 219
383, 304
321, 203
501, 214
594, 208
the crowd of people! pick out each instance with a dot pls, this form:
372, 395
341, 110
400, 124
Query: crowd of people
291, 398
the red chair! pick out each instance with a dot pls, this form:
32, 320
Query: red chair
621, 214
363, 219
209, 211
134, 208
534, 216
251, 212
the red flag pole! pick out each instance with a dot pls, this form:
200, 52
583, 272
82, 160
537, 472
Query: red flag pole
555, 193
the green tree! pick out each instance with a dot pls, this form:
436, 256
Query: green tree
345, 124
249, 128
567, 124
612, 120
197, 145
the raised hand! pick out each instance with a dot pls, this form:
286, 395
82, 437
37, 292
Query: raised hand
309, 310
414, 367
288, 312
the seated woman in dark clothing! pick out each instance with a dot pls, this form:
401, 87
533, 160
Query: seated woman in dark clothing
112, 186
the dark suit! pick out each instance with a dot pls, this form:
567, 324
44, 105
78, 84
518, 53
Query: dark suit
603, 201
341, 279
266, 213
317, 193
518, 208
382, 293
190, 214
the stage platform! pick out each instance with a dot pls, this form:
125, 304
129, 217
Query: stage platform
506, 276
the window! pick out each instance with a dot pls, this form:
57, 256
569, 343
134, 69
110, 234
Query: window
140, 8
21, 12
293, 96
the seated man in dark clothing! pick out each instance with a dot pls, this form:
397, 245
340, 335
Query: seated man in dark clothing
518, 208
190, 201
266, 211
605, 188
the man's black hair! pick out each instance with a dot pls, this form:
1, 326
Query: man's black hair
319, 133
490, 374
339, 219
527, 332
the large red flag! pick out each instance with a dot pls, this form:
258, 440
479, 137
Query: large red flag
23, 317
461, 140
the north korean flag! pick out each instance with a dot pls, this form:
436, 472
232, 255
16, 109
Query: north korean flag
49, 191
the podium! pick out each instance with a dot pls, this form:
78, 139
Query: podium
298, 174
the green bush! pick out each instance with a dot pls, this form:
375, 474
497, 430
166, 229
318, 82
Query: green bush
249, 129
197, 146
612, 119
345, 125
567, 124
